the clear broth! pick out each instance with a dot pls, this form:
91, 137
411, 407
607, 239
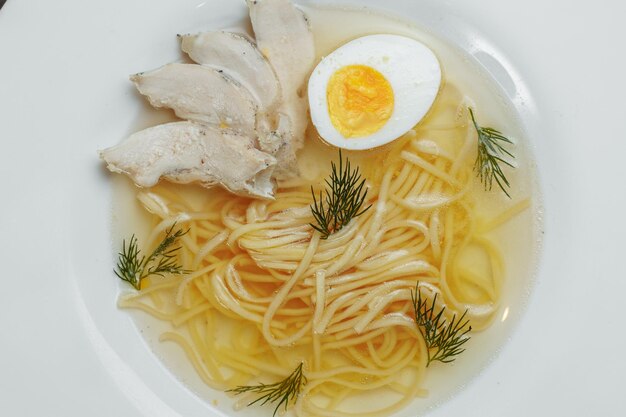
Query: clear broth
519, 239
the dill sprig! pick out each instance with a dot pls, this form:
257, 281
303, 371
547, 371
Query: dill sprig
444, 339
342, 199
283, 391
133, 267
490, 154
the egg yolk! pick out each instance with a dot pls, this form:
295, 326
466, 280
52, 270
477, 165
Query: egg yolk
360, 100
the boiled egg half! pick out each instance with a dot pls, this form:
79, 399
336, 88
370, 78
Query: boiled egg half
373, 90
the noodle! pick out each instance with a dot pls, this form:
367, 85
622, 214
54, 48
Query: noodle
279, 295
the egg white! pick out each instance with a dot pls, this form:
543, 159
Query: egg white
410, 67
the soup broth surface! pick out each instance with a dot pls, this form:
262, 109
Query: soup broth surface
517, 239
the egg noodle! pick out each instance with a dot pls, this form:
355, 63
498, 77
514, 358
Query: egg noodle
266, 293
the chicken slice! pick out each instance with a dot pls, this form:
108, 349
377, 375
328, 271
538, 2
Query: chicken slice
296, 109
284, 37
238, 57
187, 152
201, 94
279, 144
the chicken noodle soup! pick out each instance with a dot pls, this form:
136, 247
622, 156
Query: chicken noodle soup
264, 295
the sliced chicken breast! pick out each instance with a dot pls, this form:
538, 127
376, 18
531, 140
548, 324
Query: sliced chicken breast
279, 144
187, 152
274, 137
284, 37
238, 57
296, 109
201, 94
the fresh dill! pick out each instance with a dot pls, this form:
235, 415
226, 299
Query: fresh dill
490, 154
342, 198
133, 267
444, 340
283, 391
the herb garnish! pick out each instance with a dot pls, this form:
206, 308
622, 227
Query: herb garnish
285, 390
132, 267
444, 340
344, 197
490, 153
